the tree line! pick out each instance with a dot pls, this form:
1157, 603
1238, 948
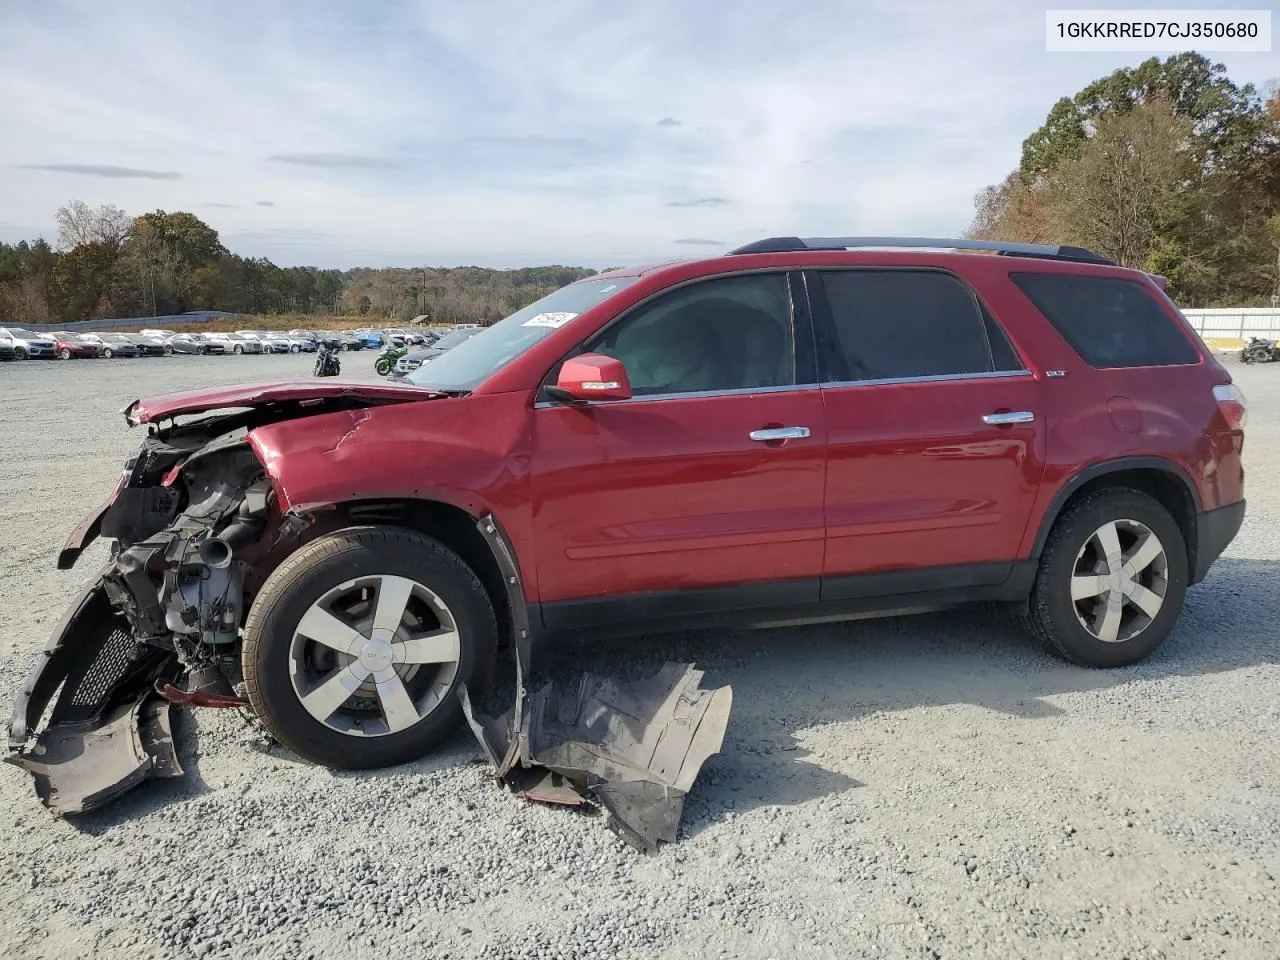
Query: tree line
108, 264
1167, 167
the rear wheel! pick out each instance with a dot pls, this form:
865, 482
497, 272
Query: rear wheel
65, 353
1112, 580
200, 351
19, 353
168, 350
237, 349
106, 352
357, 644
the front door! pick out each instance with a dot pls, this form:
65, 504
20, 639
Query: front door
704, 491
935, 434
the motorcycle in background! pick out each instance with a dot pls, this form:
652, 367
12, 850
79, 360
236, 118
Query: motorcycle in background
387, 359
1260, 350
327, 362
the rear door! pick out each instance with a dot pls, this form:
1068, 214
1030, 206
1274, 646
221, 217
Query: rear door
710, 478
935, 433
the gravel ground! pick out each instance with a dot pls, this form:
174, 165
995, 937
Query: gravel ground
926, 787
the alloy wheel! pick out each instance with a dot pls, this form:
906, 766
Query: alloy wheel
374, 656
1119, 581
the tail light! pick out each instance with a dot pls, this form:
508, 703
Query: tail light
1232, 403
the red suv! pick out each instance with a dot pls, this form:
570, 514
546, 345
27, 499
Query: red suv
802, 429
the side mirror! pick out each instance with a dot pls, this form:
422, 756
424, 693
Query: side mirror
591, 376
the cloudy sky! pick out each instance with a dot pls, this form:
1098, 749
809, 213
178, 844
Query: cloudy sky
509, 133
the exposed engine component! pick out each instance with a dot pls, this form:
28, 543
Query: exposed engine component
171, 599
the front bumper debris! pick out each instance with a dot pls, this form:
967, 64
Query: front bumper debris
108, 730
92, 719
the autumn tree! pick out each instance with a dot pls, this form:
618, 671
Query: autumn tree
1128, 186
1167, 166
79, 223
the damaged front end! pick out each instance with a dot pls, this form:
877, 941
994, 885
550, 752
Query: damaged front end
159, 623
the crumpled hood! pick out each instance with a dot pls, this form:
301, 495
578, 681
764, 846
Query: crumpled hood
263, 394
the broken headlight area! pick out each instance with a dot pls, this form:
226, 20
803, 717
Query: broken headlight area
160, 623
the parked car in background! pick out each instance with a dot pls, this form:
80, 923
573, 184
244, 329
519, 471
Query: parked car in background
149, 346
410, 337
349, 340
242, 344
306, 335
296, 344
371, 339
6, 350
114, 344
412, 361
68, 346
28, 343
272, 342
186, 343
198, 344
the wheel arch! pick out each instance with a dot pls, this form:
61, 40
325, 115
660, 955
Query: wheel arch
481, 542
1163, 480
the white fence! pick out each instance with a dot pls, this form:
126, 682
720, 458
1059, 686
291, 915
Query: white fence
1236, 322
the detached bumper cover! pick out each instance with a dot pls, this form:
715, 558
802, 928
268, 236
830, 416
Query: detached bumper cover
1215, 529
108, 730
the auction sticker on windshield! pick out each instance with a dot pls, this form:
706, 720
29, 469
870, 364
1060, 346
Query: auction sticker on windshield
549, 320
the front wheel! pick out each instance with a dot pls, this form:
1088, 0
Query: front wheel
200, 351
382, 366
357, 644
64, 353
237, 349
294, 348
1112, 580
19, 353
106, 352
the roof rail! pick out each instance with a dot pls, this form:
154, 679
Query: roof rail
1000, 247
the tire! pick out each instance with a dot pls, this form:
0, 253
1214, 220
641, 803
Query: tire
278, 660
19, 353
106, 353
200, 350
168, 350
237, 349
1073, 629
64, 353
382, 366
294, 348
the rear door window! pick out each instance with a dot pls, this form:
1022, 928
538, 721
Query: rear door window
1109, 322
908, 324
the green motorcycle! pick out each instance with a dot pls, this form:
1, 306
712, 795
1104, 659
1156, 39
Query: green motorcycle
388, 358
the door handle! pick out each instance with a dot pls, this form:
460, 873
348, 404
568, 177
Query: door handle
1010, 417
779, 433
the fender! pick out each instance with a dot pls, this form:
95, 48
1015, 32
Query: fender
470, 454
1120, 465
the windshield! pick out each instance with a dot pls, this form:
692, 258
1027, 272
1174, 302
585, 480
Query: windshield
492, 348
454, 337
26, 334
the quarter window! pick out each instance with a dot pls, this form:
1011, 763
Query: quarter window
1108, 322
731, 333
900, 324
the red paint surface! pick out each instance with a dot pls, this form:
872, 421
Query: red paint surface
671, 494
